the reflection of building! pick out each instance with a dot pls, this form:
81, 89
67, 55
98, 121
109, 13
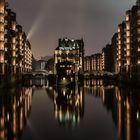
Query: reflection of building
69, 106
14, 110
127, 113
15, 49
69, 57
125, 108
93, 82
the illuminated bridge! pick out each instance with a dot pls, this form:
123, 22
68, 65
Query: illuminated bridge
35, 78
36, 74
98, 74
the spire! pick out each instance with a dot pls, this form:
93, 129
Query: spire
138, 3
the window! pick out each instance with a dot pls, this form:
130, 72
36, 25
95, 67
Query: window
1, 18
2, 28
1, 46
127, 18
128, 53
1, 57
2, 9
128, 40
127, 33
128, 26
119, 30
138, 31
138, 12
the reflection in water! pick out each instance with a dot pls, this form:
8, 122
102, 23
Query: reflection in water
15, 106
124, 104
68, 105
93, 82
127, 112
38, 82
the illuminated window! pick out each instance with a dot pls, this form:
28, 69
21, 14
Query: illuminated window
127, 18
14, 40
128, 53
2, 9
14, 53
128, 40
119, 36
119, 30
14, 26
2, 28
119, 52
138, 21
128, 61
119, 41
128, 47
2, 19
1, 57
14, 47
128, 26
1, 46
119, 47
138, 31
138, 12
20, 36
127, 33
119, 64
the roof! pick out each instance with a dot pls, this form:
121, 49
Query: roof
69, 44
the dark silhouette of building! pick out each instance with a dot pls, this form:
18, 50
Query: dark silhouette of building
108, 58
114, 43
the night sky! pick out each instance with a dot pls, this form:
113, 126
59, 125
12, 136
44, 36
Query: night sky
45, 21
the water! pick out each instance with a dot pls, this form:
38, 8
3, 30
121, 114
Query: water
99, 113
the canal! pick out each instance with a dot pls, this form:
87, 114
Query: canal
86, 113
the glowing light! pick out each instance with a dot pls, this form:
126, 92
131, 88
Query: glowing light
137, 115
127, 18
38, 21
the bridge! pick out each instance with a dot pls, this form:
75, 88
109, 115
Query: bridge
96, 74
99, 78
35, 74
35, 78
